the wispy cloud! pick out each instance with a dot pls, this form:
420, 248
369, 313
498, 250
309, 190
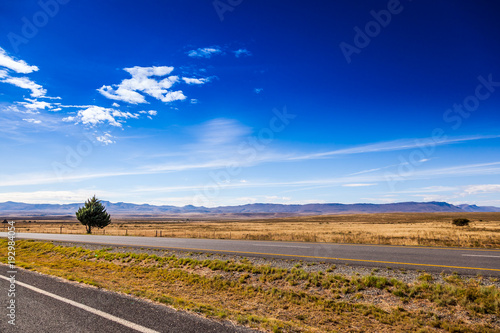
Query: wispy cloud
242, 53
190, 80
36, 179
205, 52
430, 189
18, 66
51, 197
221, 131
25, 83
396, 145
33, 121
105, 139
35, 105
486, 188
359, 184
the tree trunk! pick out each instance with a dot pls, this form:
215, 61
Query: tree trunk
89, 229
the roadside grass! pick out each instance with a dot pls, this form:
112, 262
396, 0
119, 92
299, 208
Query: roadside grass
275, 299
410, 229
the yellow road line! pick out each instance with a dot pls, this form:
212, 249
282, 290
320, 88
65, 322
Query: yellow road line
298, 256
341, 244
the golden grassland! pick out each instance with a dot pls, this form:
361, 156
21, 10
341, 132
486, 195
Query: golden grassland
426, 229
275, 299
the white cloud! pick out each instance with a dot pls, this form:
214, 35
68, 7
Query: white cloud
193, 101
432, 197
105, 139
246, 200
206, 52
142, 81
125, 115
33, 104
25, 83
149, 113
258, 90
115, 105
121, 94
241, 53
33, 121
173, 96
380, 200
138, 71
95, 115
359, 185
195, 81
430, 189
69, 119
50, 197
18, 66
487, 188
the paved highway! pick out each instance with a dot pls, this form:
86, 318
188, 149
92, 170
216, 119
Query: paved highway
462, 260
48, 304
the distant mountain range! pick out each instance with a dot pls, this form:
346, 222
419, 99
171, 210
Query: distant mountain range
120, 208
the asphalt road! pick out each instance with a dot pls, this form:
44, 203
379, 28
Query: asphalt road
461, 260
48, 304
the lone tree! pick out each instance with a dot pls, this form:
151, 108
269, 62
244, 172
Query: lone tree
93, 215
461, 222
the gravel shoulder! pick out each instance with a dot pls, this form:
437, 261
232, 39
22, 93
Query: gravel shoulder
409, 276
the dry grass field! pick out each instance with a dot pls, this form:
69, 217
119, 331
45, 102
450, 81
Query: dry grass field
426, 229
276, 299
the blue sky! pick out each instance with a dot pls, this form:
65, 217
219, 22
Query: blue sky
234, 102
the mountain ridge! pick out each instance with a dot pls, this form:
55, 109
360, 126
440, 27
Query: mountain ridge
122, 208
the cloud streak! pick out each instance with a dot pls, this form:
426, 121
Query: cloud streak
396, 145
18, 66
25, 83
205, 52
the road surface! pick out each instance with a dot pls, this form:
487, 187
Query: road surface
461, 260
49, 304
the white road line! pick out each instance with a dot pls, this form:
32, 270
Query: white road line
300, 247
479, 255
123, 322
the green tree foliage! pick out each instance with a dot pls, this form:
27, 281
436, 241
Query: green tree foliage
461, 222
93, 215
